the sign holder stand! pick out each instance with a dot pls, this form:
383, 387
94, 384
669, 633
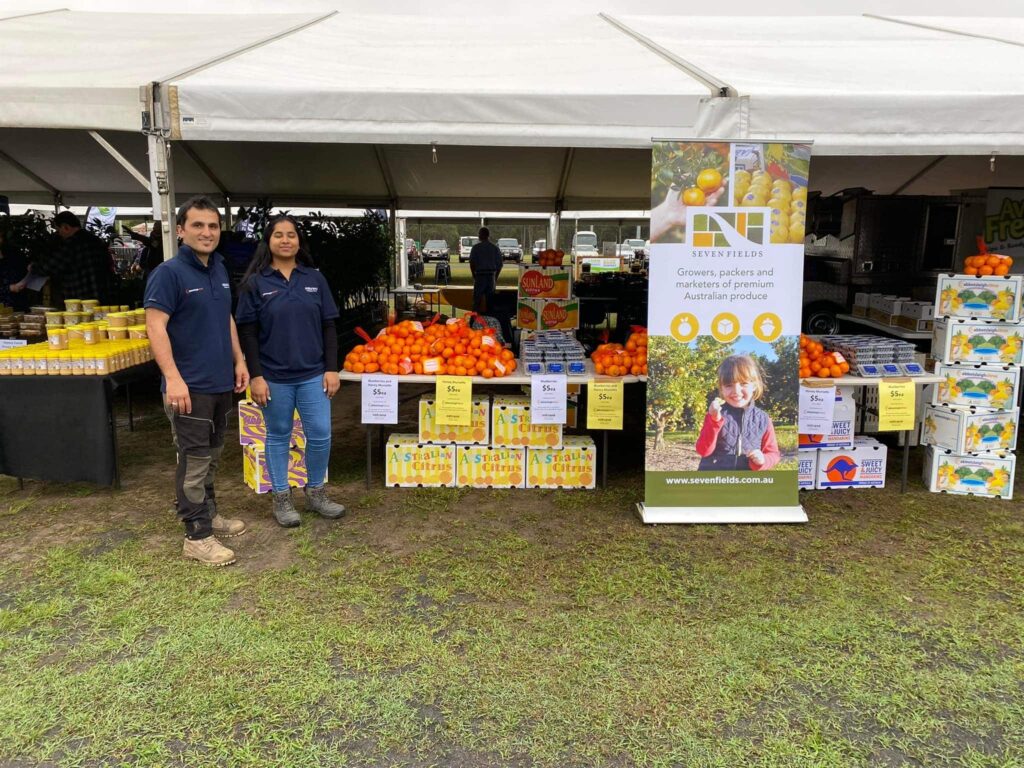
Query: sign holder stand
721, 515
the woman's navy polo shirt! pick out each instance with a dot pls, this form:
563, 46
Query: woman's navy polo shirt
198, 300
290, 315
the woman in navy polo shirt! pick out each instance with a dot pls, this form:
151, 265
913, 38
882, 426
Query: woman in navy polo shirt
286, 330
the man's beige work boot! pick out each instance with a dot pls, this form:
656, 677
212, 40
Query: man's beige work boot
208, 551
227, 527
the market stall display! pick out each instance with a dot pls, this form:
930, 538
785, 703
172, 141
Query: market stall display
623, 359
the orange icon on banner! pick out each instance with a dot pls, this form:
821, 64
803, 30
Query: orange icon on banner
684, 327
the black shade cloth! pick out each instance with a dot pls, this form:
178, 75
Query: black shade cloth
61, 428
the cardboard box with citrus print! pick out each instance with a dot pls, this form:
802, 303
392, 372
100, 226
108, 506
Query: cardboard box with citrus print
511, 426
484, 466
475, 434
412, 464
548, 314
574, 465
544, 282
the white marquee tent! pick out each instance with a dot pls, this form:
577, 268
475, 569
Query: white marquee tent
533, 114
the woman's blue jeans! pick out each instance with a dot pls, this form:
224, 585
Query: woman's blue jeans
315, 411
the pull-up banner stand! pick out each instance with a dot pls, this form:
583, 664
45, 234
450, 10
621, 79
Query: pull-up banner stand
726, 279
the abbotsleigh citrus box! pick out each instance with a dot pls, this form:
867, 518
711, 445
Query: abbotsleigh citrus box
484, 466
574, 465
989, 474
412, 464
475, 434
511, 426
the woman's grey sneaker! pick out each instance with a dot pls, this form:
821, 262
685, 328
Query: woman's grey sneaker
318, 501
284, 512
208, 551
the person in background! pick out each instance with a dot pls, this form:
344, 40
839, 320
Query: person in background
152, 255
485, 264
286, 326
81, 268
13, 269
195, 343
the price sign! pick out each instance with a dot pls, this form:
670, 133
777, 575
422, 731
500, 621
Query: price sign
380, 400
817, 406
12, 343
547, 399
896, 406
604, 405
454, 398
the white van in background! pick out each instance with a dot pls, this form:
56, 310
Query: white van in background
466, 244
584, 243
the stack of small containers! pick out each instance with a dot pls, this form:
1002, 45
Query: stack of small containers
252, 435
971, 426
500, 448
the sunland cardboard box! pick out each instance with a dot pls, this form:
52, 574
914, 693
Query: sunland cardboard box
252, 429
985, 475
957, 340
574, 465
969, 430
992, 297
544, 282
987, 386
254, 468
511, 426
860, 466
408, 463
843, 419
807, 468
484, 466
916, 316
548, 314
477, 433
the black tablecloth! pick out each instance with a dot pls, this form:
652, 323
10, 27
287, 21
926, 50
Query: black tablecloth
61, 428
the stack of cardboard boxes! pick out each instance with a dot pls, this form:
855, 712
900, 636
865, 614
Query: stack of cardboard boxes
252, 434
897, 311
546, 300
501, 448
971, 426
841, 459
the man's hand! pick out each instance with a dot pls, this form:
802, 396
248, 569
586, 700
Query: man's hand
331, 383
19, 286
178, 397
241, 376
260, 391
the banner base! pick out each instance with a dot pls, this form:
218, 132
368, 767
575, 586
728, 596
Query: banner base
720, 515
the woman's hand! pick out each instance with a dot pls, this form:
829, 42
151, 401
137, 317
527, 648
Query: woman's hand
331, 383
260, 391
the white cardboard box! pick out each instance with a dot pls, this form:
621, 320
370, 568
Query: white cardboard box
958, 340
969, 430
990, 297
989, 474
987, 386
862, 466
807, 467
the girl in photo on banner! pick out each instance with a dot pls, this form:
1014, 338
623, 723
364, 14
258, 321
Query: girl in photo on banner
737, 435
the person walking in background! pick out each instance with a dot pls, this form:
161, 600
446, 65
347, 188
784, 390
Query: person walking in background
485, 264
195, 343
286, 325
81, 268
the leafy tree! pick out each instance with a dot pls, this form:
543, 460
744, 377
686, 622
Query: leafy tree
982, 473
964, 472
782, 380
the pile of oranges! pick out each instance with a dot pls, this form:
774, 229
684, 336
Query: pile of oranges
623, 359
451, 348
987, 264
815, 362
550, 258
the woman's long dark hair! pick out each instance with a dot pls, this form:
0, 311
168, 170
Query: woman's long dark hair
262, 258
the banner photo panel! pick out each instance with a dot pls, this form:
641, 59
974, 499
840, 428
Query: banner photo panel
726, 279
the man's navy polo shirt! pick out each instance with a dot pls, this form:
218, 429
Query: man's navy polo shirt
198, 299
291, 315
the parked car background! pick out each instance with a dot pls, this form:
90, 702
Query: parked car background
510, 249
435, 250
538, 246
466, 244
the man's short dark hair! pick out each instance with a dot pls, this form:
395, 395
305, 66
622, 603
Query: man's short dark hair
484, 233
200, 203
67, 217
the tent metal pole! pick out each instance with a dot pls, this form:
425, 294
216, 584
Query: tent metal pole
161, 173
34, 177
403, 255
123, 161
919, 174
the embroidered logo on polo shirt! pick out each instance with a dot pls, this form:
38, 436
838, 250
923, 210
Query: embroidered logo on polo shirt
311, 289
267, 293
193, 290
225, 285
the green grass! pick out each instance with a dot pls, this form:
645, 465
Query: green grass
460, 274
472, 628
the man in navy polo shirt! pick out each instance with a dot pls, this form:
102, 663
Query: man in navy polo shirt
195, 343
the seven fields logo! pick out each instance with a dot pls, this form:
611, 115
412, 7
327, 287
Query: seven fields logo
712, 230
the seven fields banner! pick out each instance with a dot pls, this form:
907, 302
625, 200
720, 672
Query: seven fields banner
726, 279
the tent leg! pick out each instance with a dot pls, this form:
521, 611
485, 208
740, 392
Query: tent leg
161, 174
403, 257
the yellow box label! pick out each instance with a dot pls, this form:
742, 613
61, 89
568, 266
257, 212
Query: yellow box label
511, 425
410, 463
475, 434
480, 466
572, 466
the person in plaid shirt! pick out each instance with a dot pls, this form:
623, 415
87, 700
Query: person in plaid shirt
80, 268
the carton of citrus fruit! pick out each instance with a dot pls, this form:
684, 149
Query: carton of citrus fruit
573, 465
254, 468
544, 282
959, 340
969, 430
511, 426
474, 434
989, 386
985, 475
412, 464
548, 314
985, 298
484, 466
252, 430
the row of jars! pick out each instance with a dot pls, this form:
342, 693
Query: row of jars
87, 334
97, 360
116, 318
